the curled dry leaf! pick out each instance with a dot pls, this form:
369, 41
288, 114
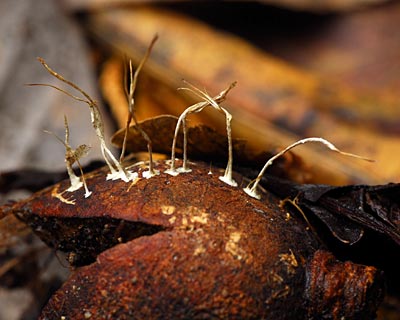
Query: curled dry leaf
195, 248
347, 210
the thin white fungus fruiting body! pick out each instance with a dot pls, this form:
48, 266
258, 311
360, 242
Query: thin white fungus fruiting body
252, 192
227, 177
131, 109
251, 189
228, 180
149, 174
72, 156
182, 120
172, 172
87, 193
198, 107
116, 169
183, 170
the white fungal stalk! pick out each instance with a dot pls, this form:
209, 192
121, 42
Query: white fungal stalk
198, 107
251, 189
227, 177
116, 169
72, 156
182, 120
132, 116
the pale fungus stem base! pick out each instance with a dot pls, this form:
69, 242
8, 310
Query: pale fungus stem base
72, 156
76, 183
251, 191
183, 170
149, 174
172, 172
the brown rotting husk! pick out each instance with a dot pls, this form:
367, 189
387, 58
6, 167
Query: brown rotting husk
209, 251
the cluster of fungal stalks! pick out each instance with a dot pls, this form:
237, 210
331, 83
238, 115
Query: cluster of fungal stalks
117, 169
198, 107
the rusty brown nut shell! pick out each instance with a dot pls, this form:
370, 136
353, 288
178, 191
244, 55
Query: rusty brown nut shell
194, 248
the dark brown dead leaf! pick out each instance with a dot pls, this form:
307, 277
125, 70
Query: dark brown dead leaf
347, 210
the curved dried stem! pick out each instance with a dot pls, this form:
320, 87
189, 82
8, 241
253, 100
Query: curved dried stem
251, 189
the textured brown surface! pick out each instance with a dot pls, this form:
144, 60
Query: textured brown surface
342, 290
141, 202
208, 251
